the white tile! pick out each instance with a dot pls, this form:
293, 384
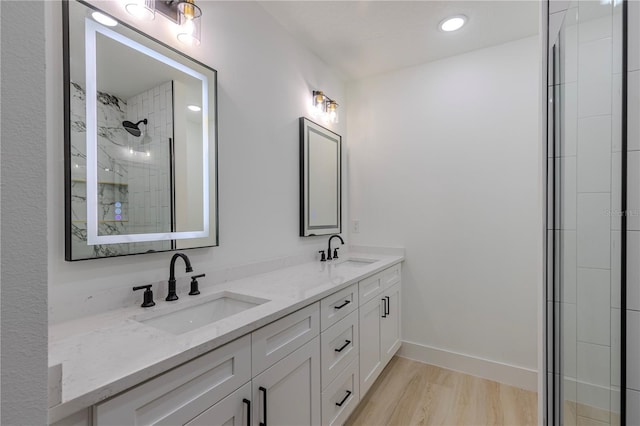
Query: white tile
570, 51
594, 231
570, 339
633, 110
568, 201
633, 190
633, 404
633, 270
616, 111
615, 347
595, 20
616, 256
558, 5
594, 154
593, 364
569, 118
594, 83
616, 190
617, 37
633, 349
569, 266
594, 396
594, 306
633, 36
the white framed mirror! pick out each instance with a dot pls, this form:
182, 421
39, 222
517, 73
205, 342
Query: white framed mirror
320, 180
140, 142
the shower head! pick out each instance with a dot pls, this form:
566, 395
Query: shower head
133, 128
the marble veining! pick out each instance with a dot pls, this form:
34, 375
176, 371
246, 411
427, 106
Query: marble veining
106, 354
126, 196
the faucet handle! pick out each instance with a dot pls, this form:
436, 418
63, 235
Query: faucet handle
335, 252
323, 258
194, 285
147, 296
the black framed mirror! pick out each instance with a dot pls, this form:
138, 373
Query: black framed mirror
320, 180
140, 141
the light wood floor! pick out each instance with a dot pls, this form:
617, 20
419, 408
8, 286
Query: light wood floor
412, 393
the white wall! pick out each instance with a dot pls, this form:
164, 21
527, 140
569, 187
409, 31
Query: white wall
265, 79
443, 160
24, 216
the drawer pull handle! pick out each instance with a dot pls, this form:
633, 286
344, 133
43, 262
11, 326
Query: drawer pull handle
264, 405
346, 343
246, 401
388, 305
339, 404
346, 302
384, 308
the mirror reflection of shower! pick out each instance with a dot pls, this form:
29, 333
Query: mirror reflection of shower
134, 130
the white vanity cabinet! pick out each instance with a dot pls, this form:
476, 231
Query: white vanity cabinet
379, 315
308, 368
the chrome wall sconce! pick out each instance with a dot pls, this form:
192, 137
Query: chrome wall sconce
325, 107
184, 13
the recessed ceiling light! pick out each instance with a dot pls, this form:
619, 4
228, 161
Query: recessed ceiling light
453, 23
194, 108
104, 19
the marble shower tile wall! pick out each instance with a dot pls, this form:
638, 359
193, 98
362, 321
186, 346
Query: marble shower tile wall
112, 174
149, 171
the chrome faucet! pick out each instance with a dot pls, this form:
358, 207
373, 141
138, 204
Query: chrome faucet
335, 252
172, 275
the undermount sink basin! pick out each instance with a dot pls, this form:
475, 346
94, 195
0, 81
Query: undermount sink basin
192, 317
357, 262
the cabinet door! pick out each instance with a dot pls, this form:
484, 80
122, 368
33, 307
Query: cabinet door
288, 393
390, 324
234, 410
370, 353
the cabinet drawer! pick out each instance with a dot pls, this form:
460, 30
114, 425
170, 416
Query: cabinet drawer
391, 276
337, 306
341, 396
273, 342
182, 393
370, 288
231, 411
339, 347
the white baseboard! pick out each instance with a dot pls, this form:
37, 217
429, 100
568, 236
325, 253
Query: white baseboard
524, 378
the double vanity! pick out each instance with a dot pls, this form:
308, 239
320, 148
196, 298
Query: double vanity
296, 346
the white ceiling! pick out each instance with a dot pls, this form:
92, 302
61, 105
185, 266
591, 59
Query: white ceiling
364, 38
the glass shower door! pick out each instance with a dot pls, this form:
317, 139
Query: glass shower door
584, 214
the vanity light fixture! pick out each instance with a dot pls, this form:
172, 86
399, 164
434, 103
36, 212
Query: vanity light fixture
453, 23
104, 19
194, 108
325, 107
189, 24
142, 9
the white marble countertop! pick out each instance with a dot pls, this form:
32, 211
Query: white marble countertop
108, 353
